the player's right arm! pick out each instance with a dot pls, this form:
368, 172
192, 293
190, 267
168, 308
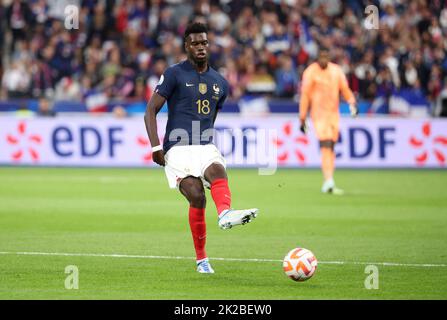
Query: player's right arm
150, 119
163, 91
306, 91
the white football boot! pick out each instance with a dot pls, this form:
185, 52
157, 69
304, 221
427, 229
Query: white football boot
230, 218
330, 188
204, 266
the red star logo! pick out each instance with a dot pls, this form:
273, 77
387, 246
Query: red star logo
144, 143
416, 143
24, 143
290, 142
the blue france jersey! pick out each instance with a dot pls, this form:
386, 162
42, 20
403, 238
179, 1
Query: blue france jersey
193, 99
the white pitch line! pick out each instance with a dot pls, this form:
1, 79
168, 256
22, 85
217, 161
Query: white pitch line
60, 254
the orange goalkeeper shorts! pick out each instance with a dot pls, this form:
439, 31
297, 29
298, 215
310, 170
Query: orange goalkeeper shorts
327, 127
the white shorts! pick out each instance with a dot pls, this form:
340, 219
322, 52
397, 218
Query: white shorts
186, 161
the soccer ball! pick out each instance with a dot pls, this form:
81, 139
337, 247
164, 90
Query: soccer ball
300, 264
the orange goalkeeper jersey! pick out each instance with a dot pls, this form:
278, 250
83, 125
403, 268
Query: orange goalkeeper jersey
321, 89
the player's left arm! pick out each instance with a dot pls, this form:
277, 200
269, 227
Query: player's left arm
347, 93
221, 101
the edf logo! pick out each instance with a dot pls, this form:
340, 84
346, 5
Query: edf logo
86, 141
361, 142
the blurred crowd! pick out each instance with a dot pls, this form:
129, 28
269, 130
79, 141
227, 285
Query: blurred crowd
121, 47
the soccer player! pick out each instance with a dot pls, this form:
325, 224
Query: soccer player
194, 93
322, 83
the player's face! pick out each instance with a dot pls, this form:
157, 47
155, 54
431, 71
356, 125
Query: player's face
197, 47
323, 59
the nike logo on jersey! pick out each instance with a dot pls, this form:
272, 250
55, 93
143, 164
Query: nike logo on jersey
190, 84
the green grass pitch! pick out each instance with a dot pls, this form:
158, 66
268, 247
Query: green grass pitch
386, 216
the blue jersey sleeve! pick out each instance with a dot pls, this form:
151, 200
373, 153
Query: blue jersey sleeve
166, 85
224, 96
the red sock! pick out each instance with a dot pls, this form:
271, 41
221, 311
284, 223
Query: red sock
221, 194
198, 230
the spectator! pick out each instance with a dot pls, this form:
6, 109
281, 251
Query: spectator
68, 88
368, 86
435, 83
279, 41
16, 81
19, 18
440, 108
119, 112
121, 46
2, 34
219, 21
44, 108
286, 78
112, 66
258, 80
42, 79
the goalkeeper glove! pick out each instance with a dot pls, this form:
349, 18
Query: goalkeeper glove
353, 109
303, 126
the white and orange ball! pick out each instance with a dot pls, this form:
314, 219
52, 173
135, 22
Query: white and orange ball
300, 264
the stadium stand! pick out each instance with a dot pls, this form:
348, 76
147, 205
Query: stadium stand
262, 47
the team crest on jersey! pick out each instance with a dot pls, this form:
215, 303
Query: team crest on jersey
203, 88
216, 89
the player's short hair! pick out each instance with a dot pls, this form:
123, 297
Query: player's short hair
195, 27
323, 49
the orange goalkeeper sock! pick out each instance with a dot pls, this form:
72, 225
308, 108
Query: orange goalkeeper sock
327, 163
